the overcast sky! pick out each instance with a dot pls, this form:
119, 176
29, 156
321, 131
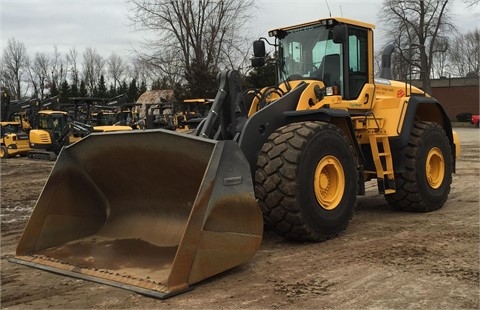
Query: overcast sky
103, 24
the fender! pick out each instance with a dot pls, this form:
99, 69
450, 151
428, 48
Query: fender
419, 108
340, 118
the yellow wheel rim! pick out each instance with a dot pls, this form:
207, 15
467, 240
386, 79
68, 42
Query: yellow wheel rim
329, 182
2, 152
435, 168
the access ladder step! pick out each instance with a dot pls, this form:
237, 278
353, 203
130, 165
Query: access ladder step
383, 162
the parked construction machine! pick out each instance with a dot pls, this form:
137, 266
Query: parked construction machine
187, 207
52, 130
13, 140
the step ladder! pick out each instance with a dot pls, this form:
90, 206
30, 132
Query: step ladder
382, 158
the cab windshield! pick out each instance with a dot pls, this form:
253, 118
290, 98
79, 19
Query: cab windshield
10, 128
55, 122
309, 53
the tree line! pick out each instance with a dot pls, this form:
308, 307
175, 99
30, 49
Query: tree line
53, 74
427, 44
191, 41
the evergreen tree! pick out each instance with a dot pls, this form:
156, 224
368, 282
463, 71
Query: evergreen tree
64, 92
201, 81
123, 88
112, 92
53, 90
143, 88
132, 93
180, 91
83, 89
74, 90
159, 84
101, 88
261, 77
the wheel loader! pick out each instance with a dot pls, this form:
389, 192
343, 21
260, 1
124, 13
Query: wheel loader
293, 157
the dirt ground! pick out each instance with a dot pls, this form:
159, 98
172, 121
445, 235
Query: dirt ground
384, 260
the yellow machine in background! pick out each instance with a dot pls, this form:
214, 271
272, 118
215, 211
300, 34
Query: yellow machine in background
194, 111
50, 133
187, 207
14, 140
53, 130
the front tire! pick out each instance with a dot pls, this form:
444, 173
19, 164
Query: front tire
425, 184
306, 181
4, 152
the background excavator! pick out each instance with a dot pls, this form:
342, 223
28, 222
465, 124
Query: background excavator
52, 129
295, 156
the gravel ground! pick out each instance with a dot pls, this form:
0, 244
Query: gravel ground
385, 259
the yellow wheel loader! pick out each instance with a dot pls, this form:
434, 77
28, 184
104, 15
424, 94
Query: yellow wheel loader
294, 157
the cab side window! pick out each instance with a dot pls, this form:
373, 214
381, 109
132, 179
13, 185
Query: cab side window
358, 60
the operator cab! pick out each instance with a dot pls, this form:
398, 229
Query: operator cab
54, 122
335, 51
9, 128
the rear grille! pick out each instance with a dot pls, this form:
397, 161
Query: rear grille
45, 138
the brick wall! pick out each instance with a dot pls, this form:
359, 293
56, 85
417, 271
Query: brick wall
457, 95
457, 99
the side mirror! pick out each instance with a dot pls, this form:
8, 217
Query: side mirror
259, 48
340, 33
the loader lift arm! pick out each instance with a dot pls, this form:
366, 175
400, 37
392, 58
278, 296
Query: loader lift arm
228, 112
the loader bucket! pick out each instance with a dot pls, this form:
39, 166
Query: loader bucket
153, 212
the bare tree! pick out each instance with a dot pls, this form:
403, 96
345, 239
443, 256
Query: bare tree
171, 73
472, 3
41, 72
14, 66
32, 78
93, 64
58, 69
415, 26
464, 54
440, 59
73, 66
193, 37
116, 68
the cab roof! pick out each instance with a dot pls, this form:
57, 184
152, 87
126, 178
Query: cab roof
327, 20
9, 123
49, 112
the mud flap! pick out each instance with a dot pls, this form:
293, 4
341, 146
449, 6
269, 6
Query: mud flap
152, 211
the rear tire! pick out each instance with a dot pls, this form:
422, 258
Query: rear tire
425, 184
306, 181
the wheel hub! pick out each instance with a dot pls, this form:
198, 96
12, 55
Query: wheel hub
435, 168
329, 182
